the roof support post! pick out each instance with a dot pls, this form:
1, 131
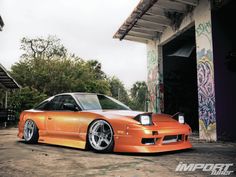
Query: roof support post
205, 64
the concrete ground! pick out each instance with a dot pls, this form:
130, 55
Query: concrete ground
23, 160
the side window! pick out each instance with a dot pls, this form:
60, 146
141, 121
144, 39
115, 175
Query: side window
109, 104
41, 106
67, 99
54, 104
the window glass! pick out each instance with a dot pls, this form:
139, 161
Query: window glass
42, 105
99, 102
89, 101
54, 104
111, 103
67, 99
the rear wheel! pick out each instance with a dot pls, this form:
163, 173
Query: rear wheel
31, 134
100, 136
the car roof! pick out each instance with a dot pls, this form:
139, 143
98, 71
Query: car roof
76, 93
70, 93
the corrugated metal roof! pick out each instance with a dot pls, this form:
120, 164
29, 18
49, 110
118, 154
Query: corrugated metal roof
6, 80
151, 17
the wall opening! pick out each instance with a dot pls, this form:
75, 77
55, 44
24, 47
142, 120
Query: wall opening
180, 77
224, 54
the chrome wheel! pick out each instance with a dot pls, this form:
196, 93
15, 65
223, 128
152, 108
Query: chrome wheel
29, 130
100, 135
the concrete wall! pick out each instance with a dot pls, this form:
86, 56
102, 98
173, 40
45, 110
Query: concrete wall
155, 78
152, 77
205, 72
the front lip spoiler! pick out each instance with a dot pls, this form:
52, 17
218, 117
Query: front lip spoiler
153, 148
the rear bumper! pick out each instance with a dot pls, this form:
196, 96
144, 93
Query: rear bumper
131, 140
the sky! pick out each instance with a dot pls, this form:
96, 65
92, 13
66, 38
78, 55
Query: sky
85, 27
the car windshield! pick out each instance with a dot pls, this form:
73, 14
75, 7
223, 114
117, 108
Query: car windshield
99, 102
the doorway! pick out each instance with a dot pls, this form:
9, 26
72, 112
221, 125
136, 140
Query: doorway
180, 77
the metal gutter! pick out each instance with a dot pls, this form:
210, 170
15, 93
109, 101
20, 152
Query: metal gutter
137, 16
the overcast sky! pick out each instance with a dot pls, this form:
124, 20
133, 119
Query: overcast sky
86, 28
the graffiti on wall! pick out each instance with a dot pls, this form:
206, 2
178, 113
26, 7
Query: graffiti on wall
155, 81
160, 92
152, 79
204, 30
206, 91
160, 95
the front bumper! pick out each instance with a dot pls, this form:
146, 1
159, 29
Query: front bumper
131, 140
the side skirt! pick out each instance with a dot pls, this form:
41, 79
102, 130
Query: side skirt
63, 142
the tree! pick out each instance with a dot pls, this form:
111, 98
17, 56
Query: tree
118, 90
46, 66
42, 48
25, 98
139, 96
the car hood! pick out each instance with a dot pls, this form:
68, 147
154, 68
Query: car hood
117, 113
132, 114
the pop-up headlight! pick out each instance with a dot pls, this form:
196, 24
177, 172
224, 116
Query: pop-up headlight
181, 118
144, 119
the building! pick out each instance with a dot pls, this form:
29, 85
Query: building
7, 83
191, 56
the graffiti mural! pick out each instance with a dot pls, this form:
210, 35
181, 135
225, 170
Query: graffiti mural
204, 29
160, 89
152, 79
206, 91
155, 79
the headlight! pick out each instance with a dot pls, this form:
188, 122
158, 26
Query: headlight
144, 119
181, 118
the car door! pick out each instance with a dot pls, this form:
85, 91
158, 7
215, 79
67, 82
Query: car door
61, 122
51, 109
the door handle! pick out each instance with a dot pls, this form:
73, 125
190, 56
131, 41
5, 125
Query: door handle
49, 118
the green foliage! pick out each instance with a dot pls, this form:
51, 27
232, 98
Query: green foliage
139, 96
118, 90
26, 98
46, 66
46, 69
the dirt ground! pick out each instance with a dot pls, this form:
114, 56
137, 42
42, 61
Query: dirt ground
23, 160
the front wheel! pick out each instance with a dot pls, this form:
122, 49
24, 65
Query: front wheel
100, 136
31, 134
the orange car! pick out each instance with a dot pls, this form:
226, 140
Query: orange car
103, 124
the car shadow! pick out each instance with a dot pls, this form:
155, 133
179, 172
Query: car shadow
61, 148
49, 145
155, 153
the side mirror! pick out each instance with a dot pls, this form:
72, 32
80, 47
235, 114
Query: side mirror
70, 106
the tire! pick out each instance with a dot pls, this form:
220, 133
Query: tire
31, 134
100, 136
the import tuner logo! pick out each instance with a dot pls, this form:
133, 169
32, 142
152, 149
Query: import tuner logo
213, 169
